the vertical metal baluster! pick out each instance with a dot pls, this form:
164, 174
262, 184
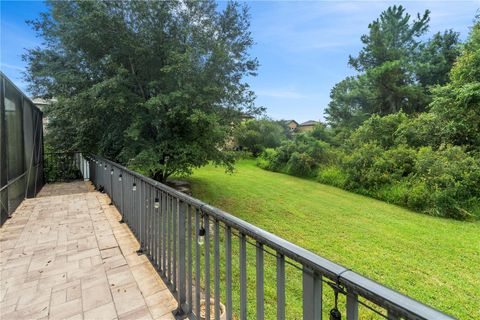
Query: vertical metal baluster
151, 226
139, 206
228, 271
206, 224
156, 212
151, 207
197, 265
312, 295
216, 260
243, 277
174, 227
133, 216
121, 194
164, 232
181, 287
169, 251
280, 286
260, 285
352, 306
143, 207
160, 228
189, 258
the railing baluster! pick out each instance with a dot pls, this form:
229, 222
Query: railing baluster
228, 271
206, 223
189, 258
157, 229
352, 306
181, 288
312, 295
169, 243
280, 286
152, 223
260, 285
391, 315
141, 209
174, 228
197, 265
148, 204
243, 277
164, 232
216, 260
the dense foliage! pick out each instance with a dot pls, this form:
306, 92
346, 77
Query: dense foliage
423, 153
155, 85
395, 70
256, 135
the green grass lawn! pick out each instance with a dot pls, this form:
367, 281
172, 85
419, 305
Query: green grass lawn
434, 260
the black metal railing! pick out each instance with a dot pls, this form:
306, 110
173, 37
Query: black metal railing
181, 236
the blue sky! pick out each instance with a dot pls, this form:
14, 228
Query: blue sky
302, 47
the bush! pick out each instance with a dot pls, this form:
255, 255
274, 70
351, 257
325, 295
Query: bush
361, 170
301, 164
332, 175
379, 130
268, 159
256, 135
451, 178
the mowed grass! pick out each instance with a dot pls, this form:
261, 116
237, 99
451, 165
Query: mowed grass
434, 260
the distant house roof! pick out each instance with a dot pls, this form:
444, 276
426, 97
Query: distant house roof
309, 123
290, 121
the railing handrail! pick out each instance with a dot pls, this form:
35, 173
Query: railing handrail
397, 303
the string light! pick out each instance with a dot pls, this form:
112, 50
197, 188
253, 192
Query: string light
120, 177
134, 188
201, 234
157, 203
111, 172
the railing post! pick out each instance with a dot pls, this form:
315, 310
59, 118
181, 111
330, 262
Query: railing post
352, 306
312, 295
181, 289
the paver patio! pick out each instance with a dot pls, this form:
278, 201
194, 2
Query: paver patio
67, 257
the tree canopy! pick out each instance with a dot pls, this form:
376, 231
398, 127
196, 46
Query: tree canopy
396, 69
152, 84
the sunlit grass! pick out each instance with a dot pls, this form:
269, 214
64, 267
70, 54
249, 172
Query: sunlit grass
434, 260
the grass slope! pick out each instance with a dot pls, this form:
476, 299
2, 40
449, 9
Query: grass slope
434, 260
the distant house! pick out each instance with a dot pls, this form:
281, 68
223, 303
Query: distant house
292, 124
307, 126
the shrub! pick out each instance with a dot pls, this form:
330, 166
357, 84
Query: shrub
301, 164
378, 130
360, 168
268, 159
421, 131
256, 135
332, 175
451, 178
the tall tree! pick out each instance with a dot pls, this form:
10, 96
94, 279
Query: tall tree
153, 84
457, 104
435, 58
387, 81
391, 37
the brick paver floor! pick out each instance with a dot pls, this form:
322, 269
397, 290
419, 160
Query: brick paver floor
67, 257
